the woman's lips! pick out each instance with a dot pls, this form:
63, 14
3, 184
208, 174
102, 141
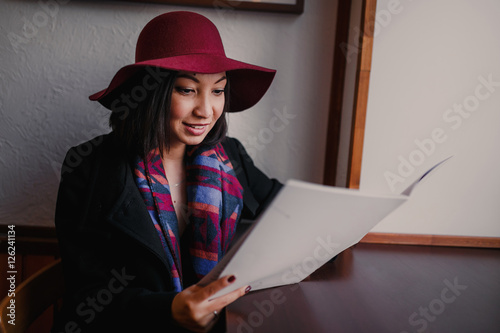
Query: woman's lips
196, 129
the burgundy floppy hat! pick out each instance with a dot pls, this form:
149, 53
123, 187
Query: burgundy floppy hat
186, 41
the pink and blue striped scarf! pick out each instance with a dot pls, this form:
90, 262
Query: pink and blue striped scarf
214, 204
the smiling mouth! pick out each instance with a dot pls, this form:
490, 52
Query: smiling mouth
196, 126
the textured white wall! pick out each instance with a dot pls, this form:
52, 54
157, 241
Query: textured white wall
428, 100
56, 53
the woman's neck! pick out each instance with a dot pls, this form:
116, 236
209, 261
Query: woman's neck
174, 153
173, 163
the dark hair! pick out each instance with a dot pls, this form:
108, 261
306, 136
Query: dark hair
142, 125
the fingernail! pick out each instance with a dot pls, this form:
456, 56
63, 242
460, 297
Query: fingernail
231, 279
248, 289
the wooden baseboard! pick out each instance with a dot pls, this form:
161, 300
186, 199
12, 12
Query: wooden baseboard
433, 240
31, 240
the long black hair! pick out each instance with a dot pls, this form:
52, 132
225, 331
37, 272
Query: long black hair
140, 119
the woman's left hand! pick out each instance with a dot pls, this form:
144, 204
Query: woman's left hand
193, 310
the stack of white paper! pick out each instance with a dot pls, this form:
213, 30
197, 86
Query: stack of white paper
304, 227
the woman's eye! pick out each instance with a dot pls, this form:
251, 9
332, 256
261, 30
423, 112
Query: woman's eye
218, 92
184, 91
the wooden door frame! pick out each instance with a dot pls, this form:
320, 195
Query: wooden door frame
364, 62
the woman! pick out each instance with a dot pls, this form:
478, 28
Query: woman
146, 211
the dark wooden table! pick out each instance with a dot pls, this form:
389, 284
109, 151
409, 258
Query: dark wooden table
383, 288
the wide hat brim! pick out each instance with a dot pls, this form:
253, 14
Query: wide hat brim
248, 83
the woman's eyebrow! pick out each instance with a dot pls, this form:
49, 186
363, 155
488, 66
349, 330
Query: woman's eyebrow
191, 77
187, 76
221, 79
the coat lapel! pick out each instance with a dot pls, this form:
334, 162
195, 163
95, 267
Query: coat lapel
128, 213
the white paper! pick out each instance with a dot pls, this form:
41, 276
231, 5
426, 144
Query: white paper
305, 226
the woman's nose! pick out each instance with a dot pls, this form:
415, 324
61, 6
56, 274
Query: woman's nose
203, 106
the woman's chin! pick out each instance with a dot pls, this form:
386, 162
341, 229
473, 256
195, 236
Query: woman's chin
194, 141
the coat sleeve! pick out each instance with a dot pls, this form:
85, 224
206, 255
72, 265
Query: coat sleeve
259, 189
110, 284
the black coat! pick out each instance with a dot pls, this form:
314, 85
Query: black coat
116, 271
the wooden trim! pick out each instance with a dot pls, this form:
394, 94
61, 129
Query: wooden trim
35, 240
368, 13
361, 93
297, 8
432, 240
337, 92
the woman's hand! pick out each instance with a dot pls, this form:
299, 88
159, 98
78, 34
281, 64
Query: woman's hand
192, 309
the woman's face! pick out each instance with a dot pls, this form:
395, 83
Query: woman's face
197, 102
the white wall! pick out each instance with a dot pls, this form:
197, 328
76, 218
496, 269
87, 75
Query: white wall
430, 59
53, 58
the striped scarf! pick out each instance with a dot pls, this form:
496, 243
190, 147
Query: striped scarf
214, 204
